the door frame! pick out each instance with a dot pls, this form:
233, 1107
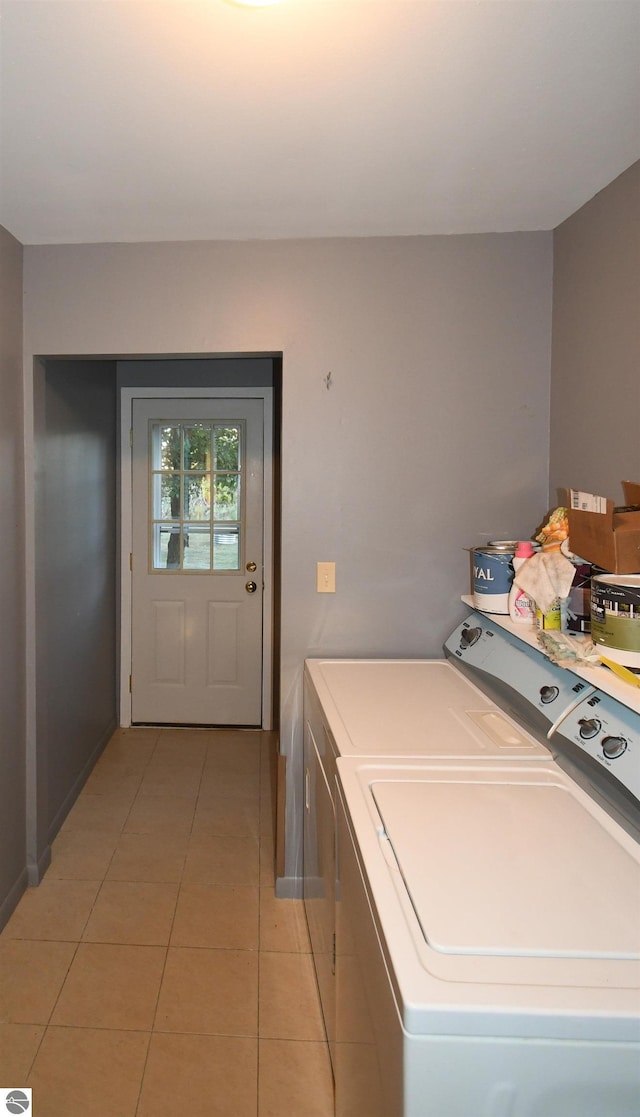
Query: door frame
127, 395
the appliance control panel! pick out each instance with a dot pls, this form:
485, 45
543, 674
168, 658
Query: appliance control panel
490, 651
610, 733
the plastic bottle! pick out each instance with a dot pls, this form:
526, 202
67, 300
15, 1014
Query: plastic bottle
551, 621
521, 608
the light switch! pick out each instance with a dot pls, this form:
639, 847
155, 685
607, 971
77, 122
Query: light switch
326, 577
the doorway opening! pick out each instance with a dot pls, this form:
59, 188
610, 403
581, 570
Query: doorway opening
80, 572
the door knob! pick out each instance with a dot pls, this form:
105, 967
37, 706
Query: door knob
251, 587
251, 567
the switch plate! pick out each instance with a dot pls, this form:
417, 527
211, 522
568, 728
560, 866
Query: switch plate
326, 577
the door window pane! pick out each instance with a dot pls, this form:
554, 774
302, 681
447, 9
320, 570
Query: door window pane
166, 547
197, 447
167, 447
196, 488
167, 496
227, 496
226, 548
197, 548
227, 448
197, 497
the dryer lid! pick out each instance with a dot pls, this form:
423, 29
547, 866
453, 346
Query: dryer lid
414, 708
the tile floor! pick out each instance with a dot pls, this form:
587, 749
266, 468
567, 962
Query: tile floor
153, 972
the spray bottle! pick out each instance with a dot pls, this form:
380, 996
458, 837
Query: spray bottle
521, 608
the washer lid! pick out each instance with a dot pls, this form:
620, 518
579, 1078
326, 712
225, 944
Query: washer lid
511, 867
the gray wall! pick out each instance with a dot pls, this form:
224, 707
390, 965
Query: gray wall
595, 397
12, 738
432, 436
76, 607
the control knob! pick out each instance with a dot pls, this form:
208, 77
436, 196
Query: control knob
613, 746
589, 727
469, 637
549, 694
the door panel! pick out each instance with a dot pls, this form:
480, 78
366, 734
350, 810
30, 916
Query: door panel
168, 641
197, 509
224, 659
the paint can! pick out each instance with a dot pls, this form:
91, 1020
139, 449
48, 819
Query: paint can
493, 575
578, 607
615, 617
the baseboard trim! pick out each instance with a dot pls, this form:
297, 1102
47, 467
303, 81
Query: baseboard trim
10, 902
80, 780
36, 870
281, 802
289, 888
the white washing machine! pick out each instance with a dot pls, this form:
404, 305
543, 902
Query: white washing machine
488, 944
488, 917
412, 708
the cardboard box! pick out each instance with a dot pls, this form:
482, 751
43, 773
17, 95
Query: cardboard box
606, 535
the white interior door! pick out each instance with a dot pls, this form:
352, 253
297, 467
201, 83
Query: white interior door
197, 561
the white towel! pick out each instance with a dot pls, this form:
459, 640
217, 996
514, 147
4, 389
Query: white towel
545, 576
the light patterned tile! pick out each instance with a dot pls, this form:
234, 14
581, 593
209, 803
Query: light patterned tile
221, 917
137, 913
160, 815
149, 857
267, 863
209, 991
133, 747
113, 779
212, 1076
283, 924
105, 814
222, 860
103, 996
237, 753
267, 816
170, 781
289, 1003
230, 785
217, 816
295, 1079
31, 976
56, 910
268, 778
81, 855
111, 986
18, 1046
182, 748
88, 1073
235, 740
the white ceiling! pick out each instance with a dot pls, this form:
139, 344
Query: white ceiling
133, 120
